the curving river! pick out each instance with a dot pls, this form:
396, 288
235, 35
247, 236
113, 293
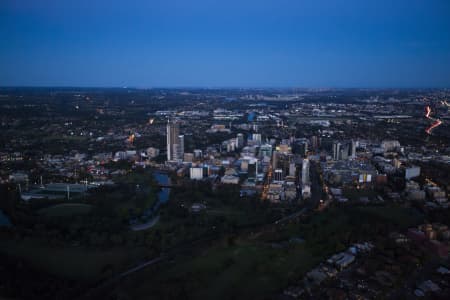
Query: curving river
163, 197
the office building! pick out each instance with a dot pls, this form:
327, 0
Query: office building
336, 150
305, 172
353, 150
198, 153
175, 142
188, 157
239, 140
152, 152
292, 169
278, 175
265, 150
256, 137
314, 142
196, 173
390, 145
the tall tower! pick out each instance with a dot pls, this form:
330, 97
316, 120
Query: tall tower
240, 140
178, 148
336, 150
173, 136
305, 171
353, 153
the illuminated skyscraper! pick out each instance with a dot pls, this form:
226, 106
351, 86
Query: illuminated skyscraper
305, 172
175, 141
178, 148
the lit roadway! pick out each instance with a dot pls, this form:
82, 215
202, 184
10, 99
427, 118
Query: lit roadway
312, 203
267, 182
316, 187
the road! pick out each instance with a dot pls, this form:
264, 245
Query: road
152, 222
292, 216
98, 291
316, 187
312, 203
141, 266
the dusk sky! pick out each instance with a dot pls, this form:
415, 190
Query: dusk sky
317, 43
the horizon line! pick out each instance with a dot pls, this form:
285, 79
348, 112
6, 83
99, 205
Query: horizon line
205, 87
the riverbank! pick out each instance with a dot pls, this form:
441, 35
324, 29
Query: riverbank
152, 212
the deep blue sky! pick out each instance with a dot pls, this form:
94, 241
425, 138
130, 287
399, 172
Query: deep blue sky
279, 43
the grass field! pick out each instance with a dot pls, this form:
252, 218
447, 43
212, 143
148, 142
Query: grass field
240, 271
251, 268
76, 263
66, 209
398, 216
245, 266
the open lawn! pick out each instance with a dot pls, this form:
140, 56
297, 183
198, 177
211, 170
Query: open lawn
66, 209
227, 272
76, 263
248, 267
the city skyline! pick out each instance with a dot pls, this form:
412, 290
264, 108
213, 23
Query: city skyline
311, 193
241, 149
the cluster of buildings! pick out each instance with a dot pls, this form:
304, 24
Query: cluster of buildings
264, 168
328, 270
278, 171
279, 168
430, 194
376, 273
433, 237
385, 166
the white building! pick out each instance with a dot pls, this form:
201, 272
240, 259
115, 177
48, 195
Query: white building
390, 145
152, 152
305, 172
257, 138
230, 179
196, 173
336, 150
